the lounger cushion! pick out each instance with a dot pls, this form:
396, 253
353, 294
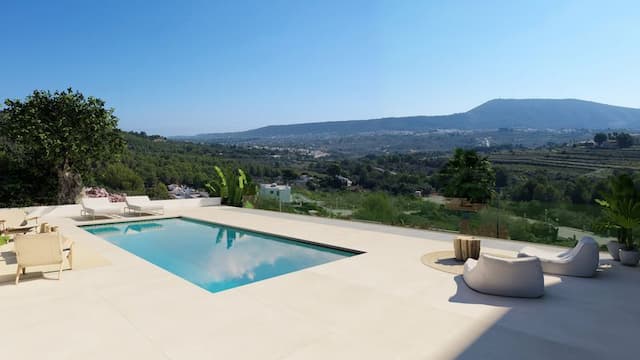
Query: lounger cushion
142, 203
96, 206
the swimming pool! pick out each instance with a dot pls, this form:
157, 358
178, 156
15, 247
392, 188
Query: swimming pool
212, 256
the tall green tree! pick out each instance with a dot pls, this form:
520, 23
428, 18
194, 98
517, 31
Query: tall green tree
468, 175
334, 170
65, 135
624, 140
289, 175
599, 138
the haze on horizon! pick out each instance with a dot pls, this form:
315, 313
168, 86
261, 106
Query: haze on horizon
178, 68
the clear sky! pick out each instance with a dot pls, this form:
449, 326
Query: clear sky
186, 67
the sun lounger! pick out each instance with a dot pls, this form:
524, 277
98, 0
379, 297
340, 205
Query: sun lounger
581, 261
99, 206
16, 221
520, 277
41, 249
142, 204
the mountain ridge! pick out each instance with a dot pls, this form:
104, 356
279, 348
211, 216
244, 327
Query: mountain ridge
493, 114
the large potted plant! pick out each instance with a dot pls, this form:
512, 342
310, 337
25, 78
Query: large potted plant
621, 213
629, 256
626, 217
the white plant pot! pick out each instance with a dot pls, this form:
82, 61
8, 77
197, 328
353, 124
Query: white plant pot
629, 257
614, 249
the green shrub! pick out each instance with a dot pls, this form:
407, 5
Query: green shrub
436, 216
158, 191
377, 207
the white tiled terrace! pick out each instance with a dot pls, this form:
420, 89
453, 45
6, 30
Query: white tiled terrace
383, 304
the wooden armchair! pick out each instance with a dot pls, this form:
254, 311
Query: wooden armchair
41, 249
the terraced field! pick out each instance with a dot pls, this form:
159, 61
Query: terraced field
579, 159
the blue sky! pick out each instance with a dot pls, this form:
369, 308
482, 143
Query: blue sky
186, 67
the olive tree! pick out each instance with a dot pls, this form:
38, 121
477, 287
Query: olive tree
63, 135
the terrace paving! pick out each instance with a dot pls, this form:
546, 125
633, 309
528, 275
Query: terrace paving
384, 304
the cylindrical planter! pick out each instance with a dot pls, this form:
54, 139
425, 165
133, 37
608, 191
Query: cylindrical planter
614, 249
629, 257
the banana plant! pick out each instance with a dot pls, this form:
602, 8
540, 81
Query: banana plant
218, 187
231, 185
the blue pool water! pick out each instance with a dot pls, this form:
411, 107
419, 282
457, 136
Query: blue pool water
212, 256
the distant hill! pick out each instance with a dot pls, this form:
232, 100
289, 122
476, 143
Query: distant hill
494, 114
551, 114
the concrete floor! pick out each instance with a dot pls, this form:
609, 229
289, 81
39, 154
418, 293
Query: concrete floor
384, 304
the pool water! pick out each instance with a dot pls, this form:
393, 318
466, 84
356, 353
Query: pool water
212, 256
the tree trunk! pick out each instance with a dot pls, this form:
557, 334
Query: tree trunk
69, 185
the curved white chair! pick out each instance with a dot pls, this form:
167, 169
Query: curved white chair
520, 277
580, 261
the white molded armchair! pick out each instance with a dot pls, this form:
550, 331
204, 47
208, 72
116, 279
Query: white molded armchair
505, 277
580, 261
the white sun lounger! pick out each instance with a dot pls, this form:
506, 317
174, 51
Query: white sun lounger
581, 261
16, 221
520, 277
99, 206
142, 204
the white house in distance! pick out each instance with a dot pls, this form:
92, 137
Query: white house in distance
345, 181
275, 191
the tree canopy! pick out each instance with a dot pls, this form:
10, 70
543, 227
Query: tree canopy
600, 138
624, 140
468, 175
55, 140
